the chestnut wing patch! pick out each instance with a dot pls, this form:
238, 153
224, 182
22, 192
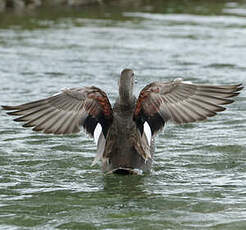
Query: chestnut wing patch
181, 102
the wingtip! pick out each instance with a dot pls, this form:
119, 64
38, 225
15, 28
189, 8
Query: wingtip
13, 113
240, 87
6, 107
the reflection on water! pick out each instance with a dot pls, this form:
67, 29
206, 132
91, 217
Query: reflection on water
198, 178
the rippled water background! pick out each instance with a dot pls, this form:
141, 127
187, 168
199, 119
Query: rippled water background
198, 179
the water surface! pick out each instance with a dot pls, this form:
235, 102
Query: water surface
198, 179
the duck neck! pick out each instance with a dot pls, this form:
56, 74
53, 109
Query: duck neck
126, 95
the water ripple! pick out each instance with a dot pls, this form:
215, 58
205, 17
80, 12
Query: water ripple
198, 177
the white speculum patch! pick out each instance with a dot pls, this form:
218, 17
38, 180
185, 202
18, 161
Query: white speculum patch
147, 132
97, 132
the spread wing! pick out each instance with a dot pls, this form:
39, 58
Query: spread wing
181, 102
66, 112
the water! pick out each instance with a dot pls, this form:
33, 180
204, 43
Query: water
198, 179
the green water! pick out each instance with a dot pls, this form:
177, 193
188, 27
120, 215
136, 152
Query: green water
198, 179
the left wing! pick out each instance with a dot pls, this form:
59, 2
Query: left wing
181, 102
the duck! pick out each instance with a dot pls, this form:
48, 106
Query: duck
125, 132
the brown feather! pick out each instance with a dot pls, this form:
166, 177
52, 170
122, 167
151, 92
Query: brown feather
65, 112
182, 102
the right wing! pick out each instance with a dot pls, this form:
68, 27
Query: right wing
65, 112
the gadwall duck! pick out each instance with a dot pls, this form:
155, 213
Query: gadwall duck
125, 133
